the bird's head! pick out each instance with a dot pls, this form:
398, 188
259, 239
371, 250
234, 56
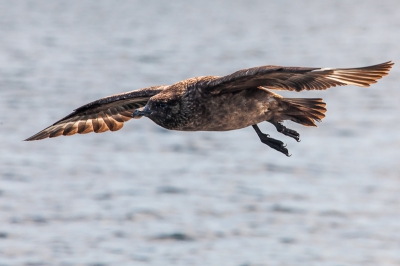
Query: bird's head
162, 111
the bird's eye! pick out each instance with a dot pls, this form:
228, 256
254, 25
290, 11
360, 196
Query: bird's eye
163, 105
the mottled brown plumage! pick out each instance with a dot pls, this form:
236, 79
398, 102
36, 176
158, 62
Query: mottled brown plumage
214, 103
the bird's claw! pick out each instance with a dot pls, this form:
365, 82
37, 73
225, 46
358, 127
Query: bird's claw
275, 144
288, 132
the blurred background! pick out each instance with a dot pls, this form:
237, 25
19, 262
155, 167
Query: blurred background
147, 196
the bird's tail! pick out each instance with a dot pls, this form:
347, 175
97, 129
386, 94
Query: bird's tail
303, 111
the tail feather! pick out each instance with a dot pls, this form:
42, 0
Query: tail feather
304, 111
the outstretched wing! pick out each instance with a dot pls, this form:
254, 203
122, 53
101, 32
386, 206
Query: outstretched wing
297, 78
108, 113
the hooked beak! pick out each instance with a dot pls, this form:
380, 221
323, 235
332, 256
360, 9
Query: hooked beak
144, 111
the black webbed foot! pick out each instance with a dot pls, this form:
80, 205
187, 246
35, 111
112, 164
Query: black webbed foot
288, 132
273, 143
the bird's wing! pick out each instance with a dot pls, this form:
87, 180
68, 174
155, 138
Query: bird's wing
108, 113
296, 78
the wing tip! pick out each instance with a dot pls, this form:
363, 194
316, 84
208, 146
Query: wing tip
72, 129
387, 65
40, 135
383, 67
362, 76
34, 137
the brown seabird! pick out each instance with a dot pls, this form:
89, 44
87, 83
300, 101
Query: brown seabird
213, 103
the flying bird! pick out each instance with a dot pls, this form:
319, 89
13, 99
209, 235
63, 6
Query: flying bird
213, 103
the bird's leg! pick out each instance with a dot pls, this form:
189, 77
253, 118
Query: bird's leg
287, 131
273, 143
